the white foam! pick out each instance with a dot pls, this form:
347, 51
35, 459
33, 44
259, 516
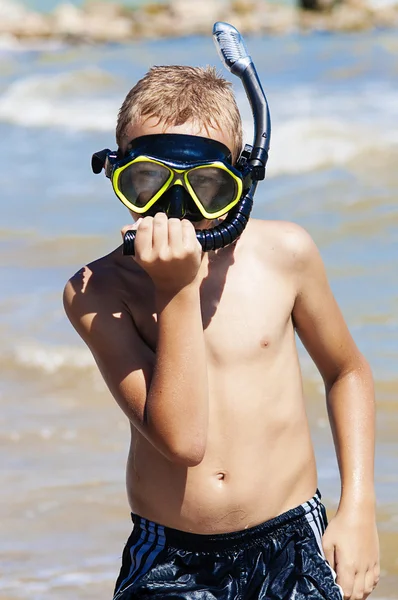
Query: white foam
11, 11
302, 145
81, 578
67, 100
311, 129
51, 359
9, 44
381, 4
39, 585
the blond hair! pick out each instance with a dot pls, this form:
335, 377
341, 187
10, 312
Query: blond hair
179, 94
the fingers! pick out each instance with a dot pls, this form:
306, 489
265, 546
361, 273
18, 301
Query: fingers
369, 583
358, 588
376, 573
168, 250
143, 241
189, 239
352, 550
175, 236
160, 238
131, 227
167, 241
329, 555
371, 580
163, 237
345, 579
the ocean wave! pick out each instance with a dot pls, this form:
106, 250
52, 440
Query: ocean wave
66, 100
65, 360
304, 144
43, 587
302, 139
314, 128
9, 44
48, 359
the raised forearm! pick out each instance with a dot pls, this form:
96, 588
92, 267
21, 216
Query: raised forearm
177, 403
351, 408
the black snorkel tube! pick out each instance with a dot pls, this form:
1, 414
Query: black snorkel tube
233, 53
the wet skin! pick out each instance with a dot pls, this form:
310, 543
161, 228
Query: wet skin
199, 351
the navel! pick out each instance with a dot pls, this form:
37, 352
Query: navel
221, 475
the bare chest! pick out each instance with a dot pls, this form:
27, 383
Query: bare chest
244, 313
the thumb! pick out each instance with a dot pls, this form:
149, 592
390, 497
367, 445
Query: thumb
329, 549
132, 227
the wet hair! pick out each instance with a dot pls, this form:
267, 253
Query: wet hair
179, 94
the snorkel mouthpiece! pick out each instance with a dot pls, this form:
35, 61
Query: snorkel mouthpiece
234, 55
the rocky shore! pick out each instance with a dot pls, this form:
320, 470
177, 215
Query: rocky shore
102, 22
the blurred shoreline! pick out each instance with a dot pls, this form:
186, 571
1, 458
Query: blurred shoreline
105, 22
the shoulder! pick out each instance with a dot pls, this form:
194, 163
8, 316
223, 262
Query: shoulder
288, 243
96, 303
93, 288
88, 281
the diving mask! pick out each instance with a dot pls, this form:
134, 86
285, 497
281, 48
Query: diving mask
184, 176
177, 192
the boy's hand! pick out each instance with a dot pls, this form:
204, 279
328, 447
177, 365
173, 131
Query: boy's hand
351, 546
168, 250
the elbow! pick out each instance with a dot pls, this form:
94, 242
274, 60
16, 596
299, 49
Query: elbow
187, 460
181, 445
357, 368
189, 454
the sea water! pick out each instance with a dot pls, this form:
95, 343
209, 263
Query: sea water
332, 169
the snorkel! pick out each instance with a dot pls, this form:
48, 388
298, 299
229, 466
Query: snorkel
253, 159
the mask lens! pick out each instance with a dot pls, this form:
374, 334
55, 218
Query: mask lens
214, 187
139, 182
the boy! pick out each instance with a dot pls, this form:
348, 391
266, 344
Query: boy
199, 351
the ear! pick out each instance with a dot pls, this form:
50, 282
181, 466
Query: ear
122, 153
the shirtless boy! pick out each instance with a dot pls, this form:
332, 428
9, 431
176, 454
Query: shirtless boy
198, 349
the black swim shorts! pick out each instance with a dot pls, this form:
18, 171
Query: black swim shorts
281, 559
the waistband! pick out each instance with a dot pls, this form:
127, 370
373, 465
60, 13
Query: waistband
222, 541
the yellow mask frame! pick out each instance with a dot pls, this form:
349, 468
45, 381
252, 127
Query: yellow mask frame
176, 177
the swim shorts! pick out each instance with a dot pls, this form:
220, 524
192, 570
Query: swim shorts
281, 559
